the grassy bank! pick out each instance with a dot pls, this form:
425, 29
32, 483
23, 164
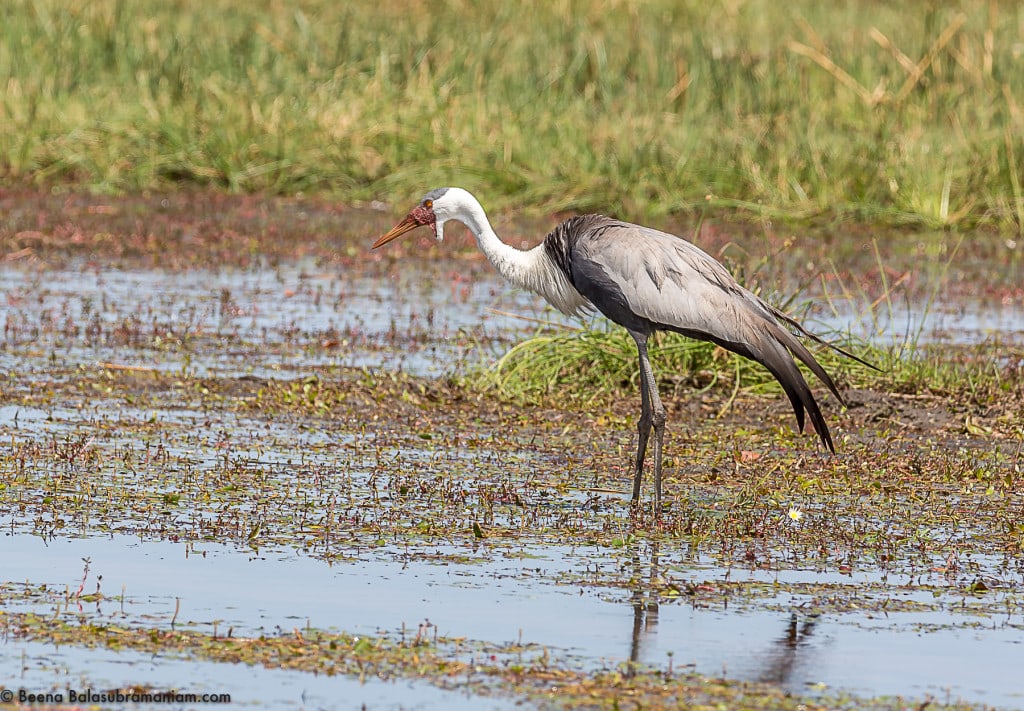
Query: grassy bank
908, 114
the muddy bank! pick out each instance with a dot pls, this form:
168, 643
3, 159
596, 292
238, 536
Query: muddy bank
209, 229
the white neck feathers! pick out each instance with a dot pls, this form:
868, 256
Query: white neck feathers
531, 269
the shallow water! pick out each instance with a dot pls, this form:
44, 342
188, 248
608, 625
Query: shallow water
427, 320
258, 322
281, 323
46, 669
960, 322
509, 599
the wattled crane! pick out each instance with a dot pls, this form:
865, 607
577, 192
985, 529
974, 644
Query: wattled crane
645, 281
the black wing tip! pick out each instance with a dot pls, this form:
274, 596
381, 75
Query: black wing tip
801, 398
818, 420
823, 433
851, 356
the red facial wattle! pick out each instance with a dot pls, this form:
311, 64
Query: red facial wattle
420, 215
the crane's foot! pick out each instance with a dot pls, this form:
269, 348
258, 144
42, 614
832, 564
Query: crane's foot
642, 514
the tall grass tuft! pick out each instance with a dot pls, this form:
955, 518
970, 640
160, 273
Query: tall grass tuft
592, 367
591, 364
595, 365
899, 112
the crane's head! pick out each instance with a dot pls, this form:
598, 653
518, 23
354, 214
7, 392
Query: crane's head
437, 207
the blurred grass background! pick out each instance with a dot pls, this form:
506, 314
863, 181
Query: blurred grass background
891, 113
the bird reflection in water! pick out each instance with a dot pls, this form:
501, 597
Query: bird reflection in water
644, 599
777, 664
782, 658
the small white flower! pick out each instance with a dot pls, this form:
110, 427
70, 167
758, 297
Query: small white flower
795, 514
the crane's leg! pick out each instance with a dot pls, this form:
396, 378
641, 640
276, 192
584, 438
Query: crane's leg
652, 414
644, 427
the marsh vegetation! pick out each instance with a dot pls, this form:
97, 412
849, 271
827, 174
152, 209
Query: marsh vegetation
900, 115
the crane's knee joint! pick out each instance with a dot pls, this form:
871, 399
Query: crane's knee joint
659, 417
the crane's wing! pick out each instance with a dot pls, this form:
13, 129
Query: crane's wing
648, 280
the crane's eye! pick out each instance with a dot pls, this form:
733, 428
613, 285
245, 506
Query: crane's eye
428, 204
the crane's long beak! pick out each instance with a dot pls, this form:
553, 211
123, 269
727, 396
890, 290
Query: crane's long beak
406, 225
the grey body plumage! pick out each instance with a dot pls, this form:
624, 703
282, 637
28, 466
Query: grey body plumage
646, 281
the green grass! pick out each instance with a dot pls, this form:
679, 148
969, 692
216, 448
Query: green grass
902, 114
595, 365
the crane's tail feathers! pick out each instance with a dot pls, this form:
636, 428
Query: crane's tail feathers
772, 348
770, 344
783, 367
787, 339
790, 321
